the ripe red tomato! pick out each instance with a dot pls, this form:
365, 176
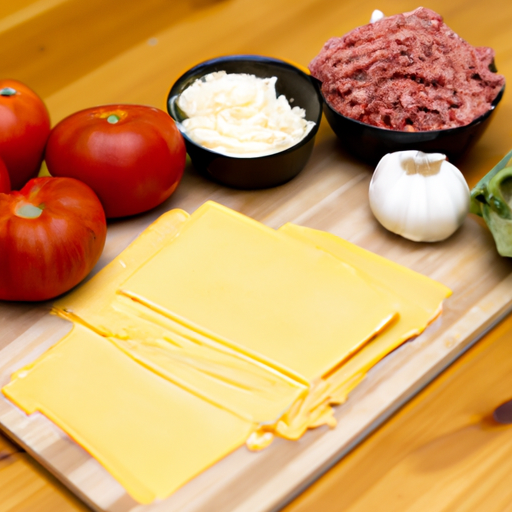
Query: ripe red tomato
5, 182
132, 156
52, 233
24, 129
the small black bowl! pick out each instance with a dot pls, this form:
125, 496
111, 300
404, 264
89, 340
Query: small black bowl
371, 143
253, 172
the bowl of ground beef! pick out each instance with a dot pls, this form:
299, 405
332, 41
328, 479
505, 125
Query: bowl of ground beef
407, 82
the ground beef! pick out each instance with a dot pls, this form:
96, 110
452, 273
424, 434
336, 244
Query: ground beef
407, 72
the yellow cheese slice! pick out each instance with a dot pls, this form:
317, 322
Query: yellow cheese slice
224, 377
91, 302
417, 298
215, 320
278, 300
150, 434
198, 363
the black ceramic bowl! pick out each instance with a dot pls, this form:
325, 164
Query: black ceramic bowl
253, 172
371, 143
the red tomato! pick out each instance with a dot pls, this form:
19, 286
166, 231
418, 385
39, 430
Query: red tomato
5, 182
132, 156
52, 233
24, 129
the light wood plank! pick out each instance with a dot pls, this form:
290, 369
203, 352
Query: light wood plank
26, 486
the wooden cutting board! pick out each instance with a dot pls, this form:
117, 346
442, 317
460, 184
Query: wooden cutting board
331, 194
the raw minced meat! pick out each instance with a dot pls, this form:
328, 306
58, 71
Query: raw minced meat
407, 72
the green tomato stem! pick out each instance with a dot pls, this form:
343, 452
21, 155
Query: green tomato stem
29, 211
7, 91
112, 119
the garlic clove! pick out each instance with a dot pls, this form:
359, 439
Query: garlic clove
420, 196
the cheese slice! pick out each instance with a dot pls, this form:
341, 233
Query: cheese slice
152, 435
200, 363
418, 300
211, 330
280, 301
242, 385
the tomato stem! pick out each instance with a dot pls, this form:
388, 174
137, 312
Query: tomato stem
7, 91
112, 119
29, 211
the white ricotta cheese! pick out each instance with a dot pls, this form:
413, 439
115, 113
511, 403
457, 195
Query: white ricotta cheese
240, 115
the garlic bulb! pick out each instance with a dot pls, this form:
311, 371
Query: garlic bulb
420, 196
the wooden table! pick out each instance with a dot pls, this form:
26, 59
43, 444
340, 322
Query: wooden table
442, 451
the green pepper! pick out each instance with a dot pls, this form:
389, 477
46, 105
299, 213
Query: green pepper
492, 200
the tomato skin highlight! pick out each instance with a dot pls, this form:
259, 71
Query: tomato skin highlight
5, 182
132, 156
24, 130
52, 233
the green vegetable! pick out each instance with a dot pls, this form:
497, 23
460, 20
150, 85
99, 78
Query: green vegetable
492, 200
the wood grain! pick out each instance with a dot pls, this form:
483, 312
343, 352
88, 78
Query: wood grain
442, 451
79, 53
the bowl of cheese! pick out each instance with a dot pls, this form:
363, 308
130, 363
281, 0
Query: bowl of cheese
249, 122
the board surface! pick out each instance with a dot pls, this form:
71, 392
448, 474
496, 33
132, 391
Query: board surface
482, 293
330, 194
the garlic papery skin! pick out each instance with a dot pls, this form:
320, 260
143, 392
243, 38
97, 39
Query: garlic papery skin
376, 16
420, 196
